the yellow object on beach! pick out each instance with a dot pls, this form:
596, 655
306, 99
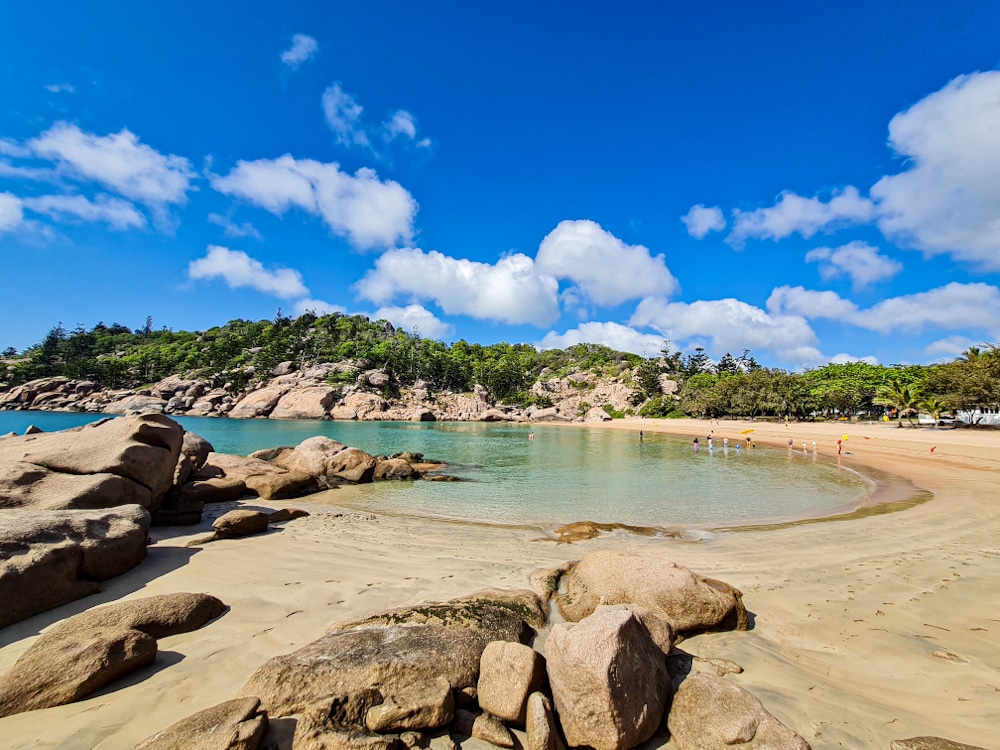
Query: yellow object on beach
746, 432
845, 436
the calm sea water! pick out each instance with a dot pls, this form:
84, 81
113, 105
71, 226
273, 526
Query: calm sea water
562, 475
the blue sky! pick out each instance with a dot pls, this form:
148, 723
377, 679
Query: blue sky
812, 183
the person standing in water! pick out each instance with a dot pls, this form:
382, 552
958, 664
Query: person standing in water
696, 444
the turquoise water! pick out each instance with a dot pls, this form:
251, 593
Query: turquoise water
563, 475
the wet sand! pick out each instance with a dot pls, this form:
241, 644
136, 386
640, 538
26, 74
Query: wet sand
865, 630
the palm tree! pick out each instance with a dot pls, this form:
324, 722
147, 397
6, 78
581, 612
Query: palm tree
904, 398
971, 354
934, 407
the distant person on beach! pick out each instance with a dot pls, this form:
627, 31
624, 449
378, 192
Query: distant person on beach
725, 442
840, 447
696, 444
789, 443
748, 441
531, 436
640, 434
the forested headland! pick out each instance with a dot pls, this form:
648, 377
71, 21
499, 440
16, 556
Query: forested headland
242, 355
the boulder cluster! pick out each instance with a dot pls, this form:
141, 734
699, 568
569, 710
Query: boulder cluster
609, 677
308, 394
76, 506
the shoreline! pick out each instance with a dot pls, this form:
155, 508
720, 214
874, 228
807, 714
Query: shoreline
865, 630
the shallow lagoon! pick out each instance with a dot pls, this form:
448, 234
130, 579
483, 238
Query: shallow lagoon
562, 475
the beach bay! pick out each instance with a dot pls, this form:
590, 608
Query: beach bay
864, 630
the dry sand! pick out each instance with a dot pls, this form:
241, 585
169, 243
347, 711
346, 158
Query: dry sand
866, 630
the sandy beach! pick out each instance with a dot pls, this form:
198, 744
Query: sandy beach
865, 630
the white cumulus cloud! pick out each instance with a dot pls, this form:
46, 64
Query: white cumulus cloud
11, 211
511, 290
730, 325
303, 48
950, 346
370, 213
414, 318
603, 268
317, 306
808, 303
955, 306
115, 212
793, 213
701, 220
858, 260
617, 336
238, 270
119, 162
948, 199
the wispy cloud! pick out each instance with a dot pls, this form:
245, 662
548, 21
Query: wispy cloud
303, 48
11, 211
231, 229
119, 162
115, 212
345, 117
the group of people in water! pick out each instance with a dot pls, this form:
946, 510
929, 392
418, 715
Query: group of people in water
725, 443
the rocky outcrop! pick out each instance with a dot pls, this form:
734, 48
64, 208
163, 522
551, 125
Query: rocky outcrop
83, 653
49, 558
305, 393
233, 725
709, 711
394, 469
688, 601
137, 405
311, 456
259, 403
111, 462
596, 414
609, 680
390, 652
281, 486
310, 402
